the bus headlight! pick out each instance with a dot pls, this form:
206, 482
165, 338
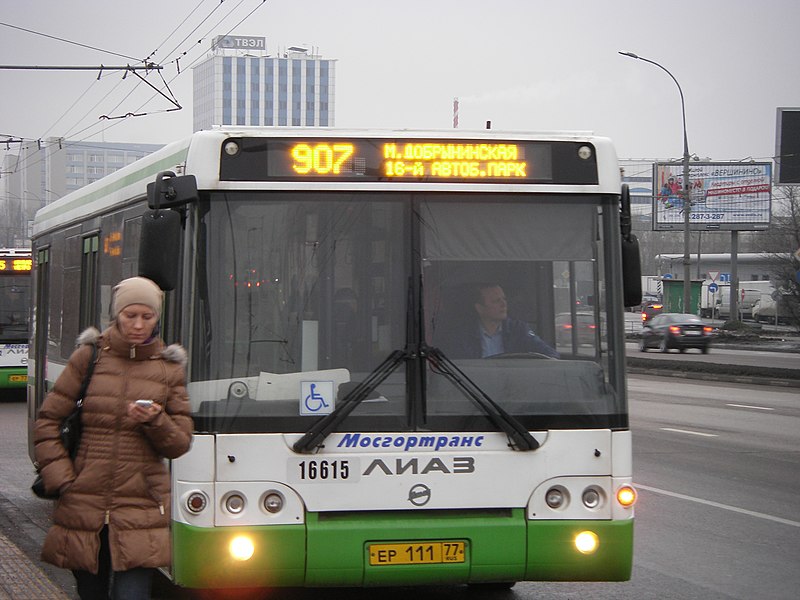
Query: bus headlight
241, 548
587, 542
556, 497
273, 502
591, 497
626, 495
234, 504
196, 502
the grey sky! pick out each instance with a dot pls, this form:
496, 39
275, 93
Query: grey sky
523, 64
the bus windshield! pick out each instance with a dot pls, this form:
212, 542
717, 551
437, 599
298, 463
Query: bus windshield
15, 292
303, 296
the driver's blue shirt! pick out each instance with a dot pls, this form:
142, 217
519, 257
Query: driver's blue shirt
513, 336
491, 344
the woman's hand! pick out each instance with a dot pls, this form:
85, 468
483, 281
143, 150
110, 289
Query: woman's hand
143, 414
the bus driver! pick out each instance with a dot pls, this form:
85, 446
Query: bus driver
493, 332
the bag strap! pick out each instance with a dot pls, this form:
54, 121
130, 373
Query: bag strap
88, 377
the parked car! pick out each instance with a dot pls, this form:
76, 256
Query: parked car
675, 330
651, 310
767, 310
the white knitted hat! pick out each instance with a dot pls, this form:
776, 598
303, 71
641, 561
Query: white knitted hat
136, 290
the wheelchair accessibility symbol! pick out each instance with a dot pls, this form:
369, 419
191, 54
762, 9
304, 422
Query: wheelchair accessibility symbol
316, 397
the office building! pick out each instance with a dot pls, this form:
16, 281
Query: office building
239, 83
47, 170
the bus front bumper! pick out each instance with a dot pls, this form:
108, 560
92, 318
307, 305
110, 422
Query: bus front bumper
334, 550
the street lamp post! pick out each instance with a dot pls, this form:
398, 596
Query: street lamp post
687, 282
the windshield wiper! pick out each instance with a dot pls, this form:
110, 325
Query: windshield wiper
314, 437
518, 436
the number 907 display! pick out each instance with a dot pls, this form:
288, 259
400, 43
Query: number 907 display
320, 159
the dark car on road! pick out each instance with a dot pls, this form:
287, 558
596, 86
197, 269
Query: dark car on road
650, 310
674, 330
649, 299
582, 329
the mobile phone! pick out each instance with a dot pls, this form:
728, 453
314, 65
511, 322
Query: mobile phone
144, 403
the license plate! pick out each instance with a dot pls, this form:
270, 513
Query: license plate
416, 553
692, 333
17, 378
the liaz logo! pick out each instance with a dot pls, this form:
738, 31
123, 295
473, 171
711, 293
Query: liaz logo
415, 466
419, 495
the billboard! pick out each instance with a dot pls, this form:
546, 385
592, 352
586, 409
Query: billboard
787, 147
724, 196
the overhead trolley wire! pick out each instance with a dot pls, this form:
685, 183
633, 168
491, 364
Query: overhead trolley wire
53, 37
247, 16
137, 112
121, 118
186, 37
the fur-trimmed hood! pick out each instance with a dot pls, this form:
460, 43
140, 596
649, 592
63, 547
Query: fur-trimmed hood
172, 353
88, 336
176, 353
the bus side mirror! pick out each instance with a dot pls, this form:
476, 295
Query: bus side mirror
631, 272
168, 190
159, 247
160, 239
631, 259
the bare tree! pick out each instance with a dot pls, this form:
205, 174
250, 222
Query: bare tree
782, 244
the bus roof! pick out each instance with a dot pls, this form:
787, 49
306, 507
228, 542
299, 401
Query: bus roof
199, 155
15, 252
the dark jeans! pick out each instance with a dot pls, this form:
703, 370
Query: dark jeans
117, 585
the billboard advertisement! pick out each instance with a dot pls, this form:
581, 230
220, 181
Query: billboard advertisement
724, 196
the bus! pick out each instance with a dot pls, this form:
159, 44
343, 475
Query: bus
318, 279
15, 302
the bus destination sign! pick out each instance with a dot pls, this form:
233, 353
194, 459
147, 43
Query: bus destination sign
366, 159
415, 159
15, 265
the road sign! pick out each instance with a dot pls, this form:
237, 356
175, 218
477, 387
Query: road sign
712, 275
667, 276
713, 287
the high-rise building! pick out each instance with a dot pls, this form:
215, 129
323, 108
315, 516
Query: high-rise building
48, 169
239, 83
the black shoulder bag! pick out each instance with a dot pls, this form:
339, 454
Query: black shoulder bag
70, 430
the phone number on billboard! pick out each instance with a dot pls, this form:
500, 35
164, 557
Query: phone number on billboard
706, 216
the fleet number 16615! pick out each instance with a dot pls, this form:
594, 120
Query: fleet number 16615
324, 470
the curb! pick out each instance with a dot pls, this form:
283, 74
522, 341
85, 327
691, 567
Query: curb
746, 374
729, 378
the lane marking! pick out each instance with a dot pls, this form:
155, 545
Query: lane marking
689, 432
749, 406
736, 509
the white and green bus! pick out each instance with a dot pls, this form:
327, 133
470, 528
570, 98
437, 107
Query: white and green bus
324, 284
15, 306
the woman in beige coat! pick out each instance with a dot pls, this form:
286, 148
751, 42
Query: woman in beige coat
111, 522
